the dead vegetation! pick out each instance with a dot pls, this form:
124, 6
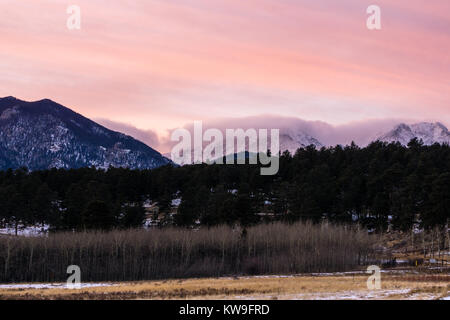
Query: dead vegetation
424, 249
183, 253
348, 286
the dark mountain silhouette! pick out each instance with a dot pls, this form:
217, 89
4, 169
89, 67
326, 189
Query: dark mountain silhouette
44, 134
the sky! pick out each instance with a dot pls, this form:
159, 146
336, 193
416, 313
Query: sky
148, 66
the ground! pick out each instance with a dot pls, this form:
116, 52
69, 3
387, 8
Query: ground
412, 283
428, 280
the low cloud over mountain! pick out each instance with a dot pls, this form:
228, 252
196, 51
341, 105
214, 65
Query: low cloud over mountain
294, 132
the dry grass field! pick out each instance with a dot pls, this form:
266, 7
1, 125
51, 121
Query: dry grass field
395, 284
196, 263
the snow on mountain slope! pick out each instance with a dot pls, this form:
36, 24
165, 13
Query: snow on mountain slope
44, 134
292, 140
429, 133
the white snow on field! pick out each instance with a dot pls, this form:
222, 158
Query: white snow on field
325, 274
354, 295
30, 231
345, 295
52, 285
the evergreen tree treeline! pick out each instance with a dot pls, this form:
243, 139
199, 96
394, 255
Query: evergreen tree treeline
372, 185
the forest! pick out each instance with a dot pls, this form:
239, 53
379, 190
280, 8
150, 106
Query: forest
379, 186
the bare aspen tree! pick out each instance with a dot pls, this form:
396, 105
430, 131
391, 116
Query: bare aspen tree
174, 253
423, 245
432, 244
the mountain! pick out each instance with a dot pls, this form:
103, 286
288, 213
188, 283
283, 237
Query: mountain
44, 134
429, 133
291, 140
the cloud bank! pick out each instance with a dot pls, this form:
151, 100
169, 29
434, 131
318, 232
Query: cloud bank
361, 132
159, 64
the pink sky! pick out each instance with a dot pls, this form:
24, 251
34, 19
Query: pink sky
160, 64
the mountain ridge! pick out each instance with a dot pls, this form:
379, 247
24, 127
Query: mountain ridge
428, 132
44, 134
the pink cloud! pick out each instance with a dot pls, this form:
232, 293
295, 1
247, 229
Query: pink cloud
159, 64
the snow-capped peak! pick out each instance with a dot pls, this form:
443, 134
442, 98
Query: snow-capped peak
291, 140
428, 132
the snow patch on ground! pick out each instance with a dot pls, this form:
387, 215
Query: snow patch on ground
357, 295
52, 285
325, 274
30, 231
344, 295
